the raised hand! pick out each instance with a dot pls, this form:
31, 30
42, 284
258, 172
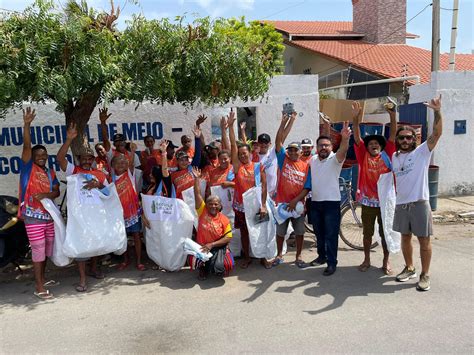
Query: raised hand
346, 131
356, 111
434, 104
71, 131
224, 124
284, 119
231, 119
197, 131
243, 125
104, 115
324, 118
133, 147
200, 120
29, 115
197, 172
164, 145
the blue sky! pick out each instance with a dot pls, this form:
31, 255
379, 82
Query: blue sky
322, 10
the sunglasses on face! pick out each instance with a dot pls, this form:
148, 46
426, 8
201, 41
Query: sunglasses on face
408, 138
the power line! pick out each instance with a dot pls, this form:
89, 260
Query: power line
286, 8
383, 39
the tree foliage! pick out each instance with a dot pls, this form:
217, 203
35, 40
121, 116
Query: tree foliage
77, 58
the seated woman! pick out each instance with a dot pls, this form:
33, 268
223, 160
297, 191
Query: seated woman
213, 234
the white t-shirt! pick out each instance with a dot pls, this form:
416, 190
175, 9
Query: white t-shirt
325, 178
70, 171
270, 164
411, 174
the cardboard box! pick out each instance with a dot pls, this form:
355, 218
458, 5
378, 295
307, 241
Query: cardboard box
339, 110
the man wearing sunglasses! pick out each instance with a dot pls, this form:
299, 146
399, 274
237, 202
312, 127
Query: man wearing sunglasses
413, 212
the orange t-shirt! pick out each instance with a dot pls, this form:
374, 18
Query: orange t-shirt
217, 176
211, 229
182, 180
291, 179
102, 165
244, 180
128, 198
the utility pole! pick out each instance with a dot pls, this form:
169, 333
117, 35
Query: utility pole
454, 30
435, 39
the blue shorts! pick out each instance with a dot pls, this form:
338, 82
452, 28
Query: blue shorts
135, 228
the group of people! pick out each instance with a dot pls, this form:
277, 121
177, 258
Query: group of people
302, 177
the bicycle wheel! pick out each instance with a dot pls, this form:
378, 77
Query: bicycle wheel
351, 227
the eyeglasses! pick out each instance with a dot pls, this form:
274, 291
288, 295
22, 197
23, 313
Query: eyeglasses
322, 145
408, 138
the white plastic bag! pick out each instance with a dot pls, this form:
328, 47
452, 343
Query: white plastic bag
95, 223
165, 239
188, 198
387, 198
58, 257
193, 248
262, 235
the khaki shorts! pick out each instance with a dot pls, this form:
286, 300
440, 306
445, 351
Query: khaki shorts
414, 218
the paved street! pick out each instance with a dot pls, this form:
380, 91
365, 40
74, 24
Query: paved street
256, 310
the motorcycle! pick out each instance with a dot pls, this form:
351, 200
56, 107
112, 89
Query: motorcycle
14, 244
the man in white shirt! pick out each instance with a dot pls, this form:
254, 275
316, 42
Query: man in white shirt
325, 168
413, 211
267, 157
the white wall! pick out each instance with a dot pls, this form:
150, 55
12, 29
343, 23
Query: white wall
160, 121
454, 154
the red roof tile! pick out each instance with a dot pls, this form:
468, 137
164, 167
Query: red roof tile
336, 28
386, 60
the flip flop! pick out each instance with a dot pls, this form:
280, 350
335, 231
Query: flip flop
245, 264
301, 264
277, 262
51, 283
387, 271
364, 267
46, 295
266, 264
123, 266
141, 267
81, 288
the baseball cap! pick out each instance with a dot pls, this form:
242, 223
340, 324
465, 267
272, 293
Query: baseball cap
118, 137
307, 142
213, 145
294, 145
172, 145
264, 138
85, 151
181, 154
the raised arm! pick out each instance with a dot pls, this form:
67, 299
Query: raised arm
243, 135
326, 122
198, 139
28, 117
288, 127
435, 105
131, 161
279, 136
263, 179
61, 156
164, 160
356, 118
344, 146
104, 116
201, 119
392, 112
197, 187
225, 144
233, 143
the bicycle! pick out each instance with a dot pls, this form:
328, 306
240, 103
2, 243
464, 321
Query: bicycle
351, 231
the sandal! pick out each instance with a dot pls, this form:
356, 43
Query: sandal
45, 295
96, 274
81, 288
301, 264
141, 267
363, 267
245, 263
123, 266
51, 283
387, 270
277, 261
266, 264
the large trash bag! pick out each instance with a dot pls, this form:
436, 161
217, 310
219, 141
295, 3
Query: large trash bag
188, 198
262, 235
58, 257
387, 198
95, 224
171, 222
